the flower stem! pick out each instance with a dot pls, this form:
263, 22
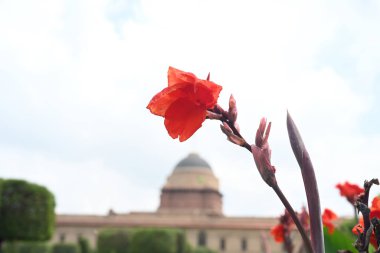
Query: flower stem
289, 208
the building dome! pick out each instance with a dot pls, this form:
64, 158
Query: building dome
192, 172
192, 187
193, 160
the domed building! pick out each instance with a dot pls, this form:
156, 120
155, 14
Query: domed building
190, 200
191, 188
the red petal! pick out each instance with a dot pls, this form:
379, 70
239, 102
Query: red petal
207, 93
329, 215
160, 103
176, 76
330, 227
349, 190
183, 118
376, 203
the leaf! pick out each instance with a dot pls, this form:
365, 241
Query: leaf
338, 240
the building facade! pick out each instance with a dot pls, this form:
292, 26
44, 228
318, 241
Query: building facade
190, 200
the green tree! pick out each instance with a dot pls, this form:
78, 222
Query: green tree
26, 211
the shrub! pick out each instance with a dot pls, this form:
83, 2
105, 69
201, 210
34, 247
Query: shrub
84, 245
203, 250
26, 211
26, 247
113, 241
65, 248
157, 241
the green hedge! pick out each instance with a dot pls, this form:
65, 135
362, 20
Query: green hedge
65, 248
157, 241
113, 241
26, 247
142, 241
26, 211
84, 245
202, 250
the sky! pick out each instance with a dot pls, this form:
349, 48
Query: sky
76, 77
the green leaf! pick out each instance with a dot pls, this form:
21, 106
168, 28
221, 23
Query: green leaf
338, 240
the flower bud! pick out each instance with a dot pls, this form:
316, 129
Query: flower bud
213, 115
232, 110
231, 136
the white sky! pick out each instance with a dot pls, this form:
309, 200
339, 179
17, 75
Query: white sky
76, 76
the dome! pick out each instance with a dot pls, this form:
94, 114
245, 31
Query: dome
192, 187
192, 172
193, 160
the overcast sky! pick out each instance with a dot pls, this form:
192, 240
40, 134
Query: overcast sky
76, 76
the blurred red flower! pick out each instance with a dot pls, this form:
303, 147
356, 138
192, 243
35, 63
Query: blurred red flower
281, 232
375, 212
327, 217
184, 103
278, 233
350, 191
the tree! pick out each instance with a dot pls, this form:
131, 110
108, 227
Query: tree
26, 211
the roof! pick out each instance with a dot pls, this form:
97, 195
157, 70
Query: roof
193, 160
169, 221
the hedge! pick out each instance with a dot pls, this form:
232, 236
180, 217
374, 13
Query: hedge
26, 211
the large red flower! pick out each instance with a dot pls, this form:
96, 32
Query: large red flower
327, 217
350, 191
184, 103
375, 212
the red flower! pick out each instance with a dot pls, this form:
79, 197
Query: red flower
281, 232
278, 233
327, 217
350, 191
184, 103
375, 212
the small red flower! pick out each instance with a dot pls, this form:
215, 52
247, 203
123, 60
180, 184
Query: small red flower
375, 212
327, 217
184, 103
278, 233
282, 231
350, 191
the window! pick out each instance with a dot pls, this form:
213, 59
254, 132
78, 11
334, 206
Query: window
202, 239
243, 244
222, 244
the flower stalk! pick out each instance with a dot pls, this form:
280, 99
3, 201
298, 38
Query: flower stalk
310, 184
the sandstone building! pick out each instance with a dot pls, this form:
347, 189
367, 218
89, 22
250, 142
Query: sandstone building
190, 200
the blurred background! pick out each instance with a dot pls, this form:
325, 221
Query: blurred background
76, 77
